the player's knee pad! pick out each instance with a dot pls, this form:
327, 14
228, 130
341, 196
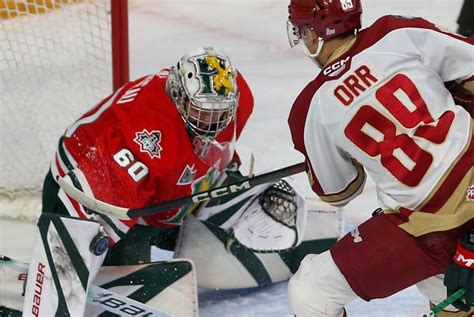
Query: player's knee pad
66, 256
318, 288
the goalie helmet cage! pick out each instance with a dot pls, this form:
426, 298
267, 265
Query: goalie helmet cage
58, 58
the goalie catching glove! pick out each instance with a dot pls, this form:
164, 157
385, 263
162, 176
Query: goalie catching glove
265, 218
274, 221
460, 273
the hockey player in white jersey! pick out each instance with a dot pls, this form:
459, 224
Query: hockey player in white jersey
380, 105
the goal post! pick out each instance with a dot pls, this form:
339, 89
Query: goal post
120, 58
58, 58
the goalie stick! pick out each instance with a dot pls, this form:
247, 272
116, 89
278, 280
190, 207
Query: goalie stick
129, 213
100, 297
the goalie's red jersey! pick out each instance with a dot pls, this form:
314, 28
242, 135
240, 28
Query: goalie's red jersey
133, 150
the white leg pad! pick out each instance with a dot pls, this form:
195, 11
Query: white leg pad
169, 286
61, 267
318, 288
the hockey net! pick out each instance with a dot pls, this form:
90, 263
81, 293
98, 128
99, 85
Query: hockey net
57, 59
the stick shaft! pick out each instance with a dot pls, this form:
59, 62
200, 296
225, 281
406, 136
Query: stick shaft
219, 191
127, 213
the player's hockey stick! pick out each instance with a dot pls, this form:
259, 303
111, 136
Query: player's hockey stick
448, 301
128, 213
99, 297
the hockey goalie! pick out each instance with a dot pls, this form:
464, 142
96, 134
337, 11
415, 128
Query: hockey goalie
158, 138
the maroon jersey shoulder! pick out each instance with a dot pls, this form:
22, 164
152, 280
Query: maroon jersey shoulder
299, 112
389, 23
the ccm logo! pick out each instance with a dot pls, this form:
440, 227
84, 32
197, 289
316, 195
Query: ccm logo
38, 289
335, 66
221, 192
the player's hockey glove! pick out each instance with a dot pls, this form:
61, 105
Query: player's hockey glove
460, 273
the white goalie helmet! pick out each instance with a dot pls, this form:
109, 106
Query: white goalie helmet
203, 86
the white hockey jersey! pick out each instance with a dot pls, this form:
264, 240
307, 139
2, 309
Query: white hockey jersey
382, 106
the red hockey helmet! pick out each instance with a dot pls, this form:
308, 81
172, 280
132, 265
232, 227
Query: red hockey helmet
328, 18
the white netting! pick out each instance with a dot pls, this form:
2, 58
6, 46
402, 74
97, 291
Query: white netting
55, 63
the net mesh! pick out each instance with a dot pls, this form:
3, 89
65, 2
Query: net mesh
55, 63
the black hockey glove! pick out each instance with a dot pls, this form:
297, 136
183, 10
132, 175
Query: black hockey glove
461, 96
460, 273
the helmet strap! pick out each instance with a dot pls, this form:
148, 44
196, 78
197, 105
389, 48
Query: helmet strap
314, 55
213, 142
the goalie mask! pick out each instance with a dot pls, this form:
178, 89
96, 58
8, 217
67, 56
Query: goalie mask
203, 86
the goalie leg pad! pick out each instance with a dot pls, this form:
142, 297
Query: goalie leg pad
169, 286
66, 256
11, 291
222, 264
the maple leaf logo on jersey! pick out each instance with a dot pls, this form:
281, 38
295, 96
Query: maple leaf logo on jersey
149, 142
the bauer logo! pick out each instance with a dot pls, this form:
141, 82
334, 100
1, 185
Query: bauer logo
35, 310
122, 308
470, 193
149, 142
